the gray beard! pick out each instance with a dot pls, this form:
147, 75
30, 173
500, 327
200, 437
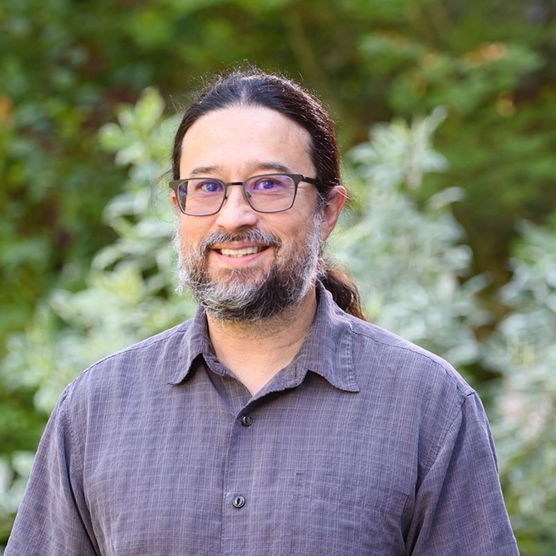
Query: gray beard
244, 296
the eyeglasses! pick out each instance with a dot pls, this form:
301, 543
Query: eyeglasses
266, 193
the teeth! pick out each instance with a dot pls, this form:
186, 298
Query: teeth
240, 252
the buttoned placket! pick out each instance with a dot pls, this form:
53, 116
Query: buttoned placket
240, 457
235, 501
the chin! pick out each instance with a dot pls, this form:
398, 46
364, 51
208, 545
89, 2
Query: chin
230, 276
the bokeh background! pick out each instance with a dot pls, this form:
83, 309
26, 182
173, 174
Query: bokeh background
446, 114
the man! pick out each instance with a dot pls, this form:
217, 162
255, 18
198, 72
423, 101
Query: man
276, 421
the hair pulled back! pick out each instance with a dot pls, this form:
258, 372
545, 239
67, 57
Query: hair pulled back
255, 88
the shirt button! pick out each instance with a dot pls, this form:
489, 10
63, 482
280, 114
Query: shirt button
238, 502
246, 420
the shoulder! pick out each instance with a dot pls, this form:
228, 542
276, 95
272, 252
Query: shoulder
148, 350
382, 361
154, 359
421, 390
398, 358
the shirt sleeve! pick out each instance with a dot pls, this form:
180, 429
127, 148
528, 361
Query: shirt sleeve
459, 507
52, 518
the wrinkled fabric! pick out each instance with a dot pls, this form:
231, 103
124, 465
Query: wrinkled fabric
364, 444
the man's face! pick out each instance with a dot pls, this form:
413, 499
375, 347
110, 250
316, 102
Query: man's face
243, 265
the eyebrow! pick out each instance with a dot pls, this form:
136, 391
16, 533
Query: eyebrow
273, 166
208, 170
204, 170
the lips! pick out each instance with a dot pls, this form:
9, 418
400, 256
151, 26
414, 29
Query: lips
242, 252
242, 245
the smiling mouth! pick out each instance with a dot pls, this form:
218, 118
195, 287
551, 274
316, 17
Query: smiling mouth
243, 252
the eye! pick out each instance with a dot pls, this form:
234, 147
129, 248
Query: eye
207, 186
268, 184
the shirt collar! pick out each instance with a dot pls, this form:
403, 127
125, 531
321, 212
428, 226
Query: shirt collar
327, 350
195, 342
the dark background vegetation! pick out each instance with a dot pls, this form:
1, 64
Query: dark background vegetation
66, 66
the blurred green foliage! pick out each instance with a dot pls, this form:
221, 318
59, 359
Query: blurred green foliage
84, 260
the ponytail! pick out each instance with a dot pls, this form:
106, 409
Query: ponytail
343, 290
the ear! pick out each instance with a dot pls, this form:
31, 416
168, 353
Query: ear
174, 200
331, 211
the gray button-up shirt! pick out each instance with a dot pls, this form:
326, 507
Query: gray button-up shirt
364, 444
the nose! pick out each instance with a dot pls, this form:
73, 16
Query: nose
236, 213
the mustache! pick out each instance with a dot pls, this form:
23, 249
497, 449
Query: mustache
254, 235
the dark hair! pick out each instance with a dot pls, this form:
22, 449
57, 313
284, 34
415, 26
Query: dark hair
255, 88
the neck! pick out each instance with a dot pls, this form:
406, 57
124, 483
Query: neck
255, 352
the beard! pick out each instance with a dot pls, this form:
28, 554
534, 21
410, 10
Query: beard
249, 295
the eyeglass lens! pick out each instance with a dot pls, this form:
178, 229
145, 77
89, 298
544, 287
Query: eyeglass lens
268, 193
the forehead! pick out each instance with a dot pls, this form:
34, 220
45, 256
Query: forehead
240, 139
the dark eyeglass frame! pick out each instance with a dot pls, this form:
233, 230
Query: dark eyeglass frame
296, 178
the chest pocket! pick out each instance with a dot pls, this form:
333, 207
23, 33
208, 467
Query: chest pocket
348, 514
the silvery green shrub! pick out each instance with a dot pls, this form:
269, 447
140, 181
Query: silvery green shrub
411, 263
523, 350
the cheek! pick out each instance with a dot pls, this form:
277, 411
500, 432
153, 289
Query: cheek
192, 232
296, 237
